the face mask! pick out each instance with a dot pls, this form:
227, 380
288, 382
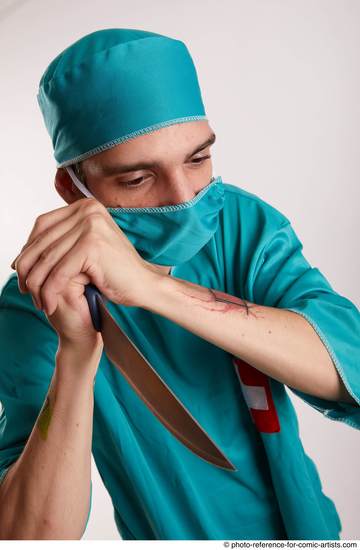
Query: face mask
169, 235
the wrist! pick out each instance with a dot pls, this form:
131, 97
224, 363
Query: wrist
157, 293
79, 355
70, 374
149, 286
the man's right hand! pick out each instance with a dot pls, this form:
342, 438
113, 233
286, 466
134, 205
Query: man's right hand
72, 320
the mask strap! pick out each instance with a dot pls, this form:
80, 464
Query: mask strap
78, 183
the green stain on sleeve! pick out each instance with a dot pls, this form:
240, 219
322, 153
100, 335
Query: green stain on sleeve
44, 419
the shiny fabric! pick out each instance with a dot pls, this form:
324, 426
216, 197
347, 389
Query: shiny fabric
113, 85
160, 489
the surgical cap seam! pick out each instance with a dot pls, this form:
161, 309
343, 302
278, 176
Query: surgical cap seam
132, 135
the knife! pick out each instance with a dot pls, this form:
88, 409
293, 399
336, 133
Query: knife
150, 387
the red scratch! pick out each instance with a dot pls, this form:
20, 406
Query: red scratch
224, 302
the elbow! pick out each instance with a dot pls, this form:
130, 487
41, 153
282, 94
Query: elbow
344, 395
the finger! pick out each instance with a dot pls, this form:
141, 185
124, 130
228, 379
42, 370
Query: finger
81, 258
45, 221
31, 254
47, 260
33, 251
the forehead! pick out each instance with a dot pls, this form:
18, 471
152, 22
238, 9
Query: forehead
170, 140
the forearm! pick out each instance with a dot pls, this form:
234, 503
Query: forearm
45, 494
277, 342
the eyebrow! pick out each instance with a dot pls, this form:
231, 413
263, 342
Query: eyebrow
113, 169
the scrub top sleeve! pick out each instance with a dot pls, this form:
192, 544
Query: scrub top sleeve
28, 346
285, 279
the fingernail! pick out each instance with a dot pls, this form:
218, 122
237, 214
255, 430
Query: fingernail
14, 260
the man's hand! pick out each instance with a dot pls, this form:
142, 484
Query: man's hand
81, 243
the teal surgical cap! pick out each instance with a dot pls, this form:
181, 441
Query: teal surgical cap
113, 85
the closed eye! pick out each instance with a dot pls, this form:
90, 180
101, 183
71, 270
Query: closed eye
199, 160
138, 182
134, 183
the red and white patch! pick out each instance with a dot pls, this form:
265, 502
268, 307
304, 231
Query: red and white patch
256, 390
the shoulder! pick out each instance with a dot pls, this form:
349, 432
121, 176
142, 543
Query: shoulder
251, 219
238, 199
248, 225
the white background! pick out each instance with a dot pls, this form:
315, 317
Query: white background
281, 86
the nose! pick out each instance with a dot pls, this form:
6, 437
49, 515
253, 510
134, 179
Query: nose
177, 189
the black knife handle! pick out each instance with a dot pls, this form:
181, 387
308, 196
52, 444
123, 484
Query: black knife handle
91, 293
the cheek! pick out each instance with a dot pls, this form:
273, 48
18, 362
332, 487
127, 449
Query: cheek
107, 193
202, 177
137, 197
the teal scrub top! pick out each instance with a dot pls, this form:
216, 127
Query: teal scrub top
159, 488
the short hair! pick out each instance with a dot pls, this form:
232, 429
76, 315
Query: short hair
77, 167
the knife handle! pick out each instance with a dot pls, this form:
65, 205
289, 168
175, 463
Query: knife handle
91, 294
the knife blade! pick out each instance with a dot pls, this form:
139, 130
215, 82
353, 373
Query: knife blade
149, 385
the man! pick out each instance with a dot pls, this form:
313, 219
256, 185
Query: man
205, 278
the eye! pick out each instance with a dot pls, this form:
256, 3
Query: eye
138, 182
200, 160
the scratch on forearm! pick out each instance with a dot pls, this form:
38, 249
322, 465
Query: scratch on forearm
232, 302
215, 300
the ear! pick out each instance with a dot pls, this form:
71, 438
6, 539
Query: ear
65, 187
